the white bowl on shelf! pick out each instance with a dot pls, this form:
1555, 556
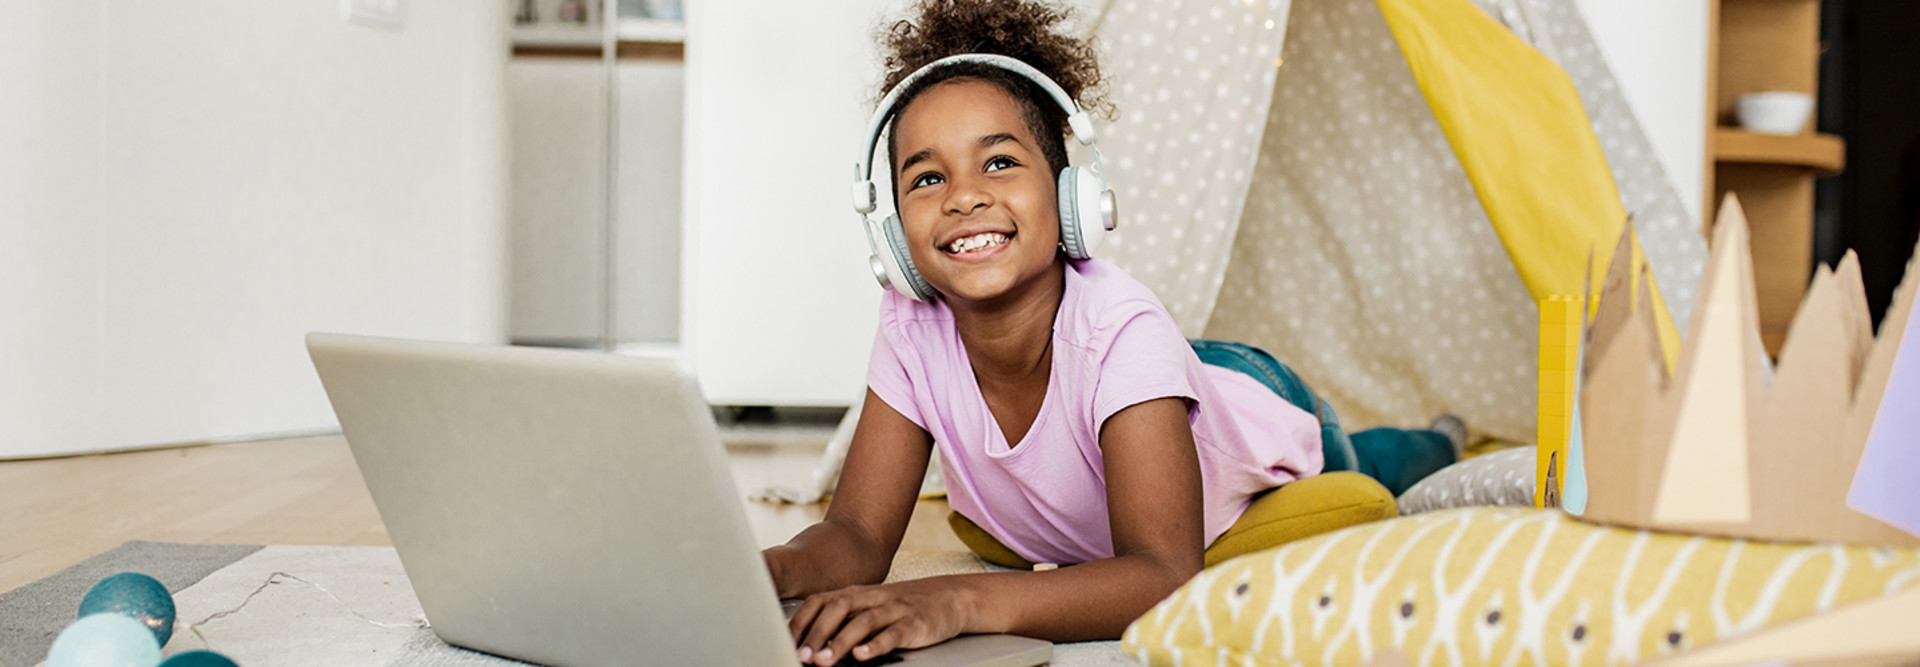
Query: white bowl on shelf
1773, 113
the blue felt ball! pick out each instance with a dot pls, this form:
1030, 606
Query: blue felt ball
199, 659
104, 640
134, 595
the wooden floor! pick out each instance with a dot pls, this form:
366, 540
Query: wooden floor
57, 512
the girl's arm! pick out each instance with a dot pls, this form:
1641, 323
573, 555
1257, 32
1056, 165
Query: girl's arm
854, 544
1155, 508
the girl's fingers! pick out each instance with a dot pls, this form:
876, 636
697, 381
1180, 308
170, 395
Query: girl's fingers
862, 626
809, 611
832, 615
803, 616
880, 644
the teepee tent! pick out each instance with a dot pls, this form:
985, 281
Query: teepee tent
1390, 187
1376, 191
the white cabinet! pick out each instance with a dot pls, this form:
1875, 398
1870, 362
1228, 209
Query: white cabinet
648, 263
558, 259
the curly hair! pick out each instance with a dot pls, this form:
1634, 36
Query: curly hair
1026, 30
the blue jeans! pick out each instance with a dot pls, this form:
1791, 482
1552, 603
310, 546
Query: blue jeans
1397, 458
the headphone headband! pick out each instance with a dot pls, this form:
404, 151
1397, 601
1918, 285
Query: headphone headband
866, 193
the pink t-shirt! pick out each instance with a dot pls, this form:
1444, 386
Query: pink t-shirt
1114, 346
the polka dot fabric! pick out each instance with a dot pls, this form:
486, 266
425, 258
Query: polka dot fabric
1503, 478
1365, 259
1193, 80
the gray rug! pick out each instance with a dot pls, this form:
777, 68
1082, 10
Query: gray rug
319, 606
32, 615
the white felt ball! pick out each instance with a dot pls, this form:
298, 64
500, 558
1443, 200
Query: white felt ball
104, 640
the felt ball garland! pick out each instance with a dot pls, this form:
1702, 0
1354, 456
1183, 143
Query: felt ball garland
136, 596
125, 619
198, 659
122, 622
104, 640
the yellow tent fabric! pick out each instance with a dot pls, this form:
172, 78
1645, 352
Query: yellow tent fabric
1516, 123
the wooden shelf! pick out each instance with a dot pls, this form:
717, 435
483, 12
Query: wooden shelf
548, 36
1820, 152
1758, 46
641, 38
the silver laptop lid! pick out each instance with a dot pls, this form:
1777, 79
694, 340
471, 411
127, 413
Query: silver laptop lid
560, 507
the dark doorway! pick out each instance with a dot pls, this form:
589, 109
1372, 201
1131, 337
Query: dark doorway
1870, 95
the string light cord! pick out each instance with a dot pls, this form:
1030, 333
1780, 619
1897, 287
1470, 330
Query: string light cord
277, 577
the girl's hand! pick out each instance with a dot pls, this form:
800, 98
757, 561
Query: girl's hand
871, 621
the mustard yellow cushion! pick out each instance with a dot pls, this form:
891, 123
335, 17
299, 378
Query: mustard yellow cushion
984, 545
1297, 510
1303, 509
1502, 585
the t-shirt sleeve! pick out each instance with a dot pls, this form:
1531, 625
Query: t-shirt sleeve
888, 378
1147, 359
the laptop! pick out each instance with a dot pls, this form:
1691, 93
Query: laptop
571, 508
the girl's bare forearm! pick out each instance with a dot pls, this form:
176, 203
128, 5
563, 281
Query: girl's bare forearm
830, 556
1086, 602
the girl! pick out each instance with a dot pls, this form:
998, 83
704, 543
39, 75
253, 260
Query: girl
1076, 425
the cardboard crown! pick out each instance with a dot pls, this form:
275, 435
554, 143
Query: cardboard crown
1730, 445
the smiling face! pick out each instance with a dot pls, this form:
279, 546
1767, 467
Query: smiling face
976, 196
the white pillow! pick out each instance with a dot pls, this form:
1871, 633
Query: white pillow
1501, 478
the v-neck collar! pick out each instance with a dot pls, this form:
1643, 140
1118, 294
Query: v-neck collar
996, 443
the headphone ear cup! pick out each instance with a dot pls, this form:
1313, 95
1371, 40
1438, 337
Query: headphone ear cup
1081, 229
1071, 238
909, 277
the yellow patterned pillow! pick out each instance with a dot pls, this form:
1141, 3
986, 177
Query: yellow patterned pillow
1501, 585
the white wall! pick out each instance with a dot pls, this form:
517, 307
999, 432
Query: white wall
49, 224
237, 175
1658, 51
780, 307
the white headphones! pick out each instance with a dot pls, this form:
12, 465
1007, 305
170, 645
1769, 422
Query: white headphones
1083, 194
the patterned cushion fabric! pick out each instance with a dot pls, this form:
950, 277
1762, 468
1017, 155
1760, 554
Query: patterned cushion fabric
1504, 477
1497, 585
